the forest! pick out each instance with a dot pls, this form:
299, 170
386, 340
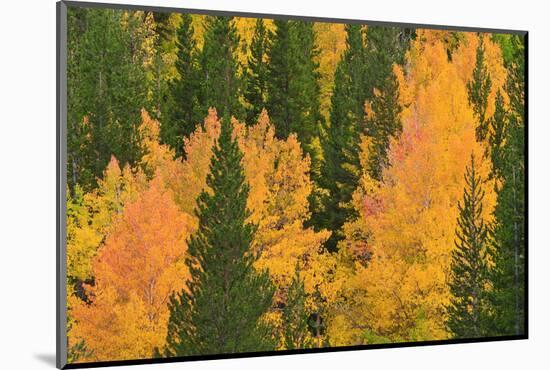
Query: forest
244, 184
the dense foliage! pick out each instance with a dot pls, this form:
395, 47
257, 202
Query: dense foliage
239, 185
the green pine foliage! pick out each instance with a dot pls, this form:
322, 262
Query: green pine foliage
341, 168
364, 74
256, 88
293, 82
221, 309
220, 70
508, 275
108, 86
304, 85
479, 88
279, 75
295, 317
469, 280
385, 46
183, 99
498, 128
383, 123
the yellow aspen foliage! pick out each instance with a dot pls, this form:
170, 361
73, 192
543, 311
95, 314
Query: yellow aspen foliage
278, 176
331, 42
138, 268
407, 221
90, 216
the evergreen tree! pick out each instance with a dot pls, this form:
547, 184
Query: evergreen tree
341, 168
385, 46
256, 88
479, 88
383, 123
295, 316
279, 76
184, 110
468, 284
220, 68
106, 89
293, 83
508, 275
221, 309
304, 86
498, 129
364, 75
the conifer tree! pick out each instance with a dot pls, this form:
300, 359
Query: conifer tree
385, 46
256, 88
279, 75
479, 88
221, 309
220, 69
295, 317
293, 82
383, 123
498, 129
106, 90
305, 89
508, 253
184, 111
468, 284
341, 168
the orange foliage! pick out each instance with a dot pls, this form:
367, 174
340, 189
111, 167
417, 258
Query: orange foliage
140, 265
408, 220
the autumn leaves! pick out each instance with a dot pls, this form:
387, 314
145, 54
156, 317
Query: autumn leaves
136, 288
141, 261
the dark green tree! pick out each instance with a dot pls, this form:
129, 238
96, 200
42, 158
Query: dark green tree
219, 68
341, 168
293, 83
256, 87
295, 317
221, 309
385, 46
479, 88
106, 89
184, 111
305, 89
383, 123
468, 308
279, 74
497, 132
508, 275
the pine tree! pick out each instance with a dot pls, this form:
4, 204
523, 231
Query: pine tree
184, 111
256, 88
279, 75
468, 284
383, 123
498, 129
341, 168
304, 86
293, 83
508, 275
479, 88
295, 317
106, 90
385, 46
221, 309
220, 68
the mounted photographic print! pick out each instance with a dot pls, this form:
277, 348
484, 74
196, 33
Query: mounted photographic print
234, 185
